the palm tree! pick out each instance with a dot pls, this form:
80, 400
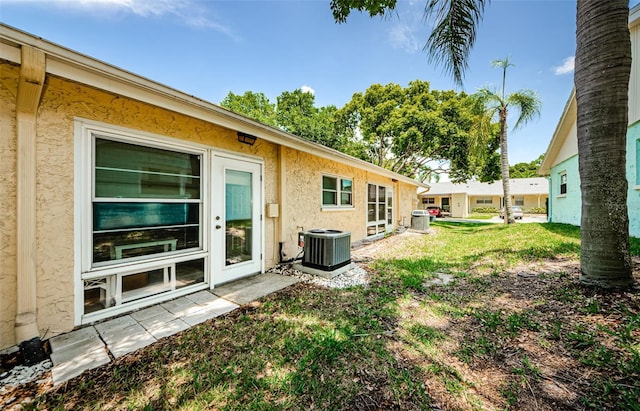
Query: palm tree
497, 104
603, 67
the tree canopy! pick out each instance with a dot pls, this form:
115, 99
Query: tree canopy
526, 170
413, 130
417, 131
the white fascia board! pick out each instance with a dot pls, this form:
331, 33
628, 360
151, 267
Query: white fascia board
555, 144
65, 63
634, 16
559, 135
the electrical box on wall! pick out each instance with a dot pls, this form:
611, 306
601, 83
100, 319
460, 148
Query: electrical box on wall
272, 210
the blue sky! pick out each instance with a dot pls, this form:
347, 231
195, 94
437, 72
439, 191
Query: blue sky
208, 47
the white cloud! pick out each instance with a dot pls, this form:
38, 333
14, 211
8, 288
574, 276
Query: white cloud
566, 67
403, 37
307, 89
409, 29
189, 12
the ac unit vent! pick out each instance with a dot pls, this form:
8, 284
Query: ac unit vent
326, 250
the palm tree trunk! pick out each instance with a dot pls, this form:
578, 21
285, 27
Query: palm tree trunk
603, 65
504, 164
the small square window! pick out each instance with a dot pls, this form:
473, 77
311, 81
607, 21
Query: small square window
337, 191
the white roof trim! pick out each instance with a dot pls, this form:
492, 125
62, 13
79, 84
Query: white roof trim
74, 66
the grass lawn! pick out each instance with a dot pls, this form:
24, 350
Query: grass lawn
481, 216
514, 330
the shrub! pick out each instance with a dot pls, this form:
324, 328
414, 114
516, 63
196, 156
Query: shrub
538, 210
485, 210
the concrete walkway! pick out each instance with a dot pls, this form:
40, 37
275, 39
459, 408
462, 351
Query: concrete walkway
89, 347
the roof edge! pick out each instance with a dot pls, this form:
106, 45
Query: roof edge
68, 63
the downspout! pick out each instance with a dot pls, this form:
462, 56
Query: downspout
31, 83
282, 194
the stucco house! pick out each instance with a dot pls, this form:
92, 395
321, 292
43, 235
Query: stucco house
460, 199
561, 160
118, 192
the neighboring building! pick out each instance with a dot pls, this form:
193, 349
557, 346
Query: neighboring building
561, 160
118, 192
461, 199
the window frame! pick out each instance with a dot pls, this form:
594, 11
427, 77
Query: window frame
86, 132
429, 200
484, 200
518, 201
380, 208
338, 192
562, 191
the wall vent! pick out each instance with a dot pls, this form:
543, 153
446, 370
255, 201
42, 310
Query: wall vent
326, 250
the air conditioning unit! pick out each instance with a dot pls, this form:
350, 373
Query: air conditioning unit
326, 250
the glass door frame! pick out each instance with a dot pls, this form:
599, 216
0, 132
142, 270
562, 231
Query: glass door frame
220, 272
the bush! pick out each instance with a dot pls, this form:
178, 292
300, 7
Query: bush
485, 210
537, 210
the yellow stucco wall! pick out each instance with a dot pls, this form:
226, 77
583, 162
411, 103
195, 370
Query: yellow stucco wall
64, 101
303, 182
8, 90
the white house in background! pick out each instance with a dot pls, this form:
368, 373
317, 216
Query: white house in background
460, 199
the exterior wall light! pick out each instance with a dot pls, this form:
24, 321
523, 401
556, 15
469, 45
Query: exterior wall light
246, 138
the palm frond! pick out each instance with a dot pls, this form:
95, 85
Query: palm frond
528, 103
454, 33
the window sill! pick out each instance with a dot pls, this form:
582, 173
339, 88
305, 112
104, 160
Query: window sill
337, 208
561, 196
637, 188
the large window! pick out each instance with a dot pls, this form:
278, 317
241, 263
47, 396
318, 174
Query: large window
518, 200
147, 201
337, 192
484, 200
428, 200
563, 183
144, 221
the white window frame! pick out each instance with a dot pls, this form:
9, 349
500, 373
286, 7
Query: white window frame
378, 222
560, 183
484, 200
429, 200
85, 134
338, 192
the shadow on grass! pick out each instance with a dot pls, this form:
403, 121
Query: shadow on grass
362, 348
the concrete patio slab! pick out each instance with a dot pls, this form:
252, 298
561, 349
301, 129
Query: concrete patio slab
161, 330
81, 335
249, 289
149, 312
81, 362
178, 306
201, 297
111, 326
128, 339
89, 347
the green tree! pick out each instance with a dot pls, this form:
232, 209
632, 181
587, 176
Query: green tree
415, 131
297, 114
254, 105
603, 67
497, 105
526, 170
